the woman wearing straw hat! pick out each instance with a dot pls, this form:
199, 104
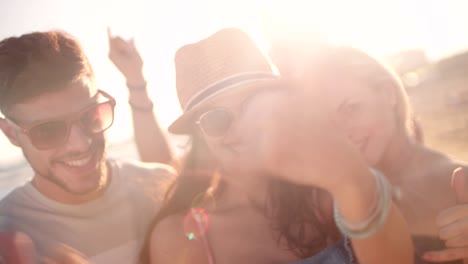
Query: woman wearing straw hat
256, 183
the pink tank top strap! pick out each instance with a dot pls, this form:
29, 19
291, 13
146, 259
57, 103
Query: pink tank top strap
202, 229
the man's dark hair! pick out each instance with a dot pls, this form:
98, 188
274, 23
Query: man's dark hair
38, 63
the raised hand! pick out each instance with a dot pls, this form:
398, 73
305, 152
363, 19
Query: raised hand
126, 58
453, 224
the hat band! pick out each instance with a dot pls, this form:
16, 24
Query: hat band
225, 84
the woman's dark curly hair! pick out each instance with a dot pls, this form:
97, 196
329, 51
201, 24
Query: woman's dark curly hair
297, 220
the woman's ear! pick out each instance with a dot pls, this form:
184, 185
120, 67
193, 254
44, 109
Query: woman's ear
9, 132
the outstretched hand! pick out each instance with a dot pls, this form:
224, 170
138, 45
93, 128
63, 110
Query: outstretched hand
293, 136
453, 224
126, 58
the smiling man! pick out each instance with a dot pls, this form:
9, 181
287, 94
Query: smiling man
77, 197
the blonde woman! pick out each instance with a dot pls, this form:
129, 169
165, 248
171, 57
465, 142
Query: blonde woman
369, 104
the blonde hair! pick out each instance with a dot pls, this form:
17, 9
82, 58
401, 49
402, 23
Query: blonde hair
335, 62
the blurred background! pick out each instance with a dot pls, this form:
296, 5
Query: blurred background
424, 41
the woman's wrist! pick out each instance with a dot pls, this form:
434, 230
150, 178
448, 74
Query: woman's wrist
140, 101
136, 86
356, 221
141, 107
136, 82
356, 198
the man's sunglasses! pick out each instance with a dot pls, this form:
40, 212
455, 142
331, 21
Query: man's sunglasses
93, 119
215, 123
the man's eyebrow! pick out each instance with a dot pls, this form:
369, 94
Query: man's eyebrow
92, 101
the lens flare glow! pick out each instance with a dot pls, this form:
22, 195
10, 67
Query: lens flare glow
196, 223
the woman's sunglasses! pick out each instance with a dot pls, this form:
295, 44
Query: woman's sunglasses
92, 120
215, 123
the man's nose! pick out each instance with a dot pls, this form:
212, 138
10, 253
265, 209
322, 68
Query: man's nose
78, 140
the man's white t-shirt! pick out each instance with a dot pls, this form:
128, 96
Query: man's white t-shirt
110, 229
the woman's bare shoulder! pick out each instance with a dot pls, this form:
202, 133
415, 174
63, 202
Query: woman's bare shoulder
169, 243
165, 237
169, 226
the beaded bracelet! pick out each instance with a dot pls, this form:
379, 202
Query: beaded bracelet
375, 220
141, 87
145, 108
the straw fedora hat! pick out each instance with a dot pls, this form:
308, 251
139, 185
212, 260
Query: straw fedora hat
228, 63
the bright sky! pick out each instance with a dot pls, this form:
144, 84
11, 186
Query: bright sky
160, 27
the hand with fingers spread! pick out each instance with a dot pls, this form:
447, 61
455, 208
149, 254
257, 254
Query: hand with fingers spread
295, 138
453, 224
127, 59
